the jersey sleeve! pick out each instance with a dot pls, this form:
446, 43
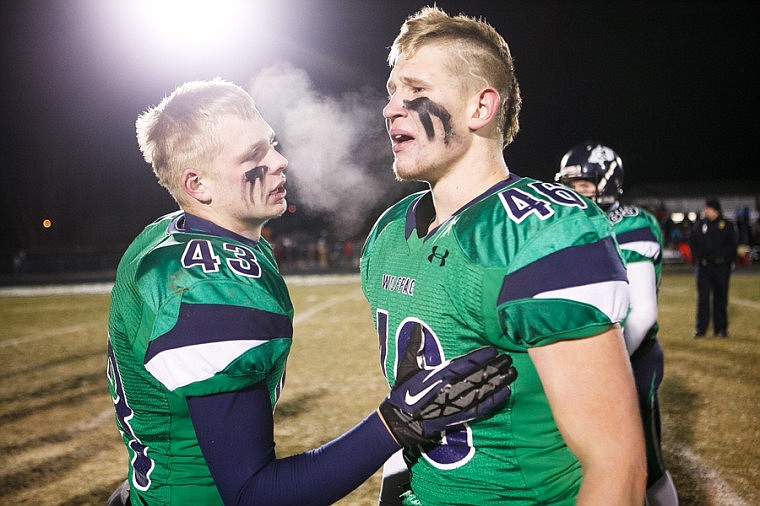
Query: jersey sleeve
639, 237
212, 331
570, 283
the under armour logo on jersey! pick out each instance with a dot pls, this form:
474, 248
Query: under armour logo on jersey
439, 256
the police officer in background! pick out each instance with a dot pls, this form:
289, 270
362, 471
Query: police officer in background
713, 246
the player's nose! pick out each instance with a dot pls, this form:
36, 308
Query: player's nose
393, 109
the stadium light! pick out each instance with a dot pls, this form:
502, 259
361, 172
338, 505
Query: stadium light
189, 27
180, 36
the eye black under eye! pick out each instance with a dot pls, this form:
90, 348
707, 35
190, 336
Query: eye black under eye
255, 173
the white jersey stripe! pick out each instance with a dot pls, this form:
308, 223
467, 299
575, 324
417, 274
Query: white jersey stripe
649, 249
610, 297
179, 367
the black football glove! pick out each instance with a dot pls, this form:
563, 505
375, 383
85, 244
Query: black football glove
424, 403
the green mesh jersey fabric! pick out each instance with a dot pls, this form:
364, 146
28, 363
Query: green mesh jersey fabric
640, 238
186, 318
526, 264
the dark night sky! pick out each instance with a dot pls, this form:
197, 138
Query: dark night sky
670, 85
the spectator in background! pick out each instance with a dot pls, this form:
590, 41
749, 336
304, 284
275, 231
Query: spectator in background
743, 226
713, 249
683, 248
675, 236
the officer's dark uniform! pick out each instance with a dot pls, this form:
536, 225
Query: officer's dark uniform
713, 248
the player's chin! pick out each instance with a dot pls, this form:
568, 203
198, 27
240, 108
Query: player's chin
279, 207
402, 170
271, 209
407, 172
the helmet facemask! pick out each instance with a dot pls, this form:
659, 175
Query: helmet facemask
598, 164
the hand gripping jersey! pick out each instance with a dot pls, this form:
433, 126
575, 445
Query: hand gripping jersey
525, 264
640, 239
192, 313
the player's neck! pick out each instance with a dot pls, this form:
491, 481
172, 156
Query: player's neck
250, 230
458, 187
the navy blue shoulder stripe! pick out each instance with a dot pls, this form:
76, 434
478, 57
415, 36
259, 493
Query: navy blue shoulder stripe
640, 234
210, 323
570, 267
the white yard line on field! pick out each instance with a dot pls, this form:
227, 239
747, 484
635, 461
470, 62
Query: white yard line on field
322, 279
99, 288
669, 290
744, 302
305, 314
107, 415
36, 291
56, 332
716, 487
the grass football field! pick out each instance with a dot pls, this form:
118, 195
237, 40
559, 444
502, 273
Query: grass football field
59, 444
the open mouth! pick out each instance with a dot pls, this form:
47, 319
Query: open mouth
399, 140
279, 191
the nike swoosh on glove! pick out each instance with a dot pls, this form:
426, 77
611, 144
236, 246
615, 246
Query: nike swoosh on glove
425, 402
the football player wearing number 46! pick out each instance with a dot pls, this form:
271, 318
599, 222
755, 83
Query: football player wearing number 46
200, 328
486, 257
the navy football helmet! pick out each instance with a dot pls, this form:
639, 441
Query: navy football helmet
595, 162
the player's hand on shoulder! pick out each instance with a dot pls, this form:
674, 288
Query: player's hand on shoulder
425, 402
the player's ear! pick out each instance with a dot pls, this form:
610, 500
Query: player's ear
192, 184
485, 107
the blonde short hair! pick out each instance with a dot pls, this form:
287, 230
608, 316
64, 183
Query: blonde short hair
481, 55
181, 131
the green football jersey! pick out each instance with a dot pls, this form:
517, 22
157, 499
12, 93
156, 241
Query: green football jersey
639, 236
526, 264
192, 313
